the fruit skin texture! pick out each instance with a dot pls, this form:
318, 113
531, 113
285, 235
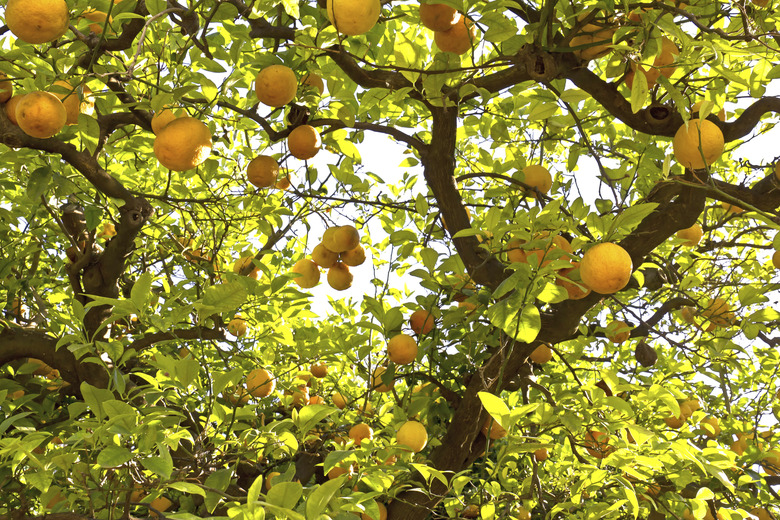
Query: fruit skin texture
523, 514
606, 268
237, 326
41, 114
402, 349
304, 142
262, 171
310, 273
339, 277
718, 312
691, 235
353, 17
438, 17
422, 322
353, 257
539, 177
492, 429
160, 504
618, 332
276, 85
6, 88
413, 435
183, 144
776, 259
260, 382
541, 354
313, 80
541, 454
319, 371
713, 430
10, 108
596, 444
75, 102
246, 261
341, 239
458, 38
161, 119
699, 145
339, 401
598, 36
99, 19
376, 380
37, 21
324, 257
359, 432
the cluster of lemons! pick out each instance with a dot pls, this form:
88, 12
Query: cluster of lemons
339, 250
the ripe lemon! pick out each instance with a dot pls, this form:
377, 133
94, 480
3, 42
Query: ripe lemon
354, 257
161, 119
729, 208
606, 268
339, 277
41, 114
313, 80
376, 380
304, 142
691, 235
37, 21
6, 88
98, 18
541, 354
341, 238
711, 427
183, 144
382, 513
310, 273
776, 259
541, 454
77, 100
260, 382
262, 171
402, 349
422, 321
596, 442
570, 280
618, 331
276, 85
319, 371
339, 401
245, 262
699, 145
438, 17
353, 17
324, 257
537, 177
237, 326
597, 36
360, 432
413, 435
10, 108
159, 504
458, 38
663, 64
492, 429
718, 312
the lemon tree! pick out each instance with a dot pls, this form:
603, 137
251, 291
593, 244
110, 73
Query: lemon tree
229, 291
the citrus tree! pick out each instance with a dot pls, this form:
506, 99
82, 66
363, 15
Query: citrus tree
342, 259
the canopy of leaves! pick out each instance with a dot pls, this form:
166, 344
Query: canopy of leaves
126, 383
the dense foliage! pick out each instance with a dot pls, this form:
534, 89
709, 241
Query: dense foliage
139, 299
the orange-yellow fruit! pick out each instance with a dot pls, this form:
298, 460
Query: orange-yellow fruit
413, 435
341, 238
663, 64
354, 257
41, 114
310, 273
268, 480
262, 171
339, 401
776, 259
319, 371
541, 454
237, 326
304, 142
6, 88
276, 85
316, 399
541, 354
339, 277
183, 144
260, 382
382, 513
711, 427
522, 514
699, 145
37, 21
360, 432
718, 312
422, 322
376, 380
729, 208
675, 422
544, 255
618, 332
597, 36
99, 20
245, 262
283, 183
159, 504
338, 471
606, 268
760, 512
570, 280
313, 80
402, 349
10, 108
597, 444
161, 119
691, 235
353, 17
438, 17
537, 177
491, 428
324, 257
300, 396
458, 38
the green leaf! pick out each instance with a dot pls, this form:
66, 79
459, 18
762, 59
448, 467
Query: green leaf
142, 289
161, 466
632, 217
188, 487
253, 494
113, 456
639, 92
222, 298
95, 397
218, 480
311, 415
38, 182
495, 406
521, 324
285, 494
319, 499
